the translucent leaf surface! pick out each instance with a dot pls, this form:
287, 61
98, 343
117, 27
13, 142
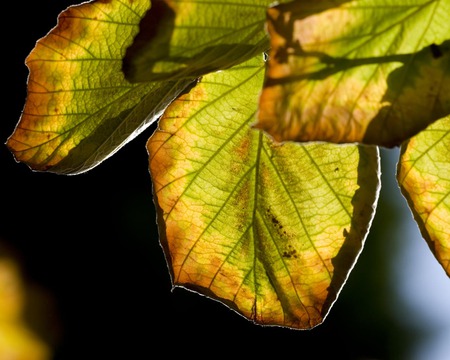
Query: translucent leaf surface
189, 38
424, 178
80, 109
356, 72
270, 230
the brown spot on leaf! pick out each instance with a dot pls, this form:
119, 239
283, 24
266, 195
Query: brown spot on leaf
290, 252
436, 51
243, 148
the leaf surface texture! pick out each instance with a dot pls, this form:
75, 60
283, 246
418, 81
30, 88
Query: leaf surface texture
190, 38
270, 230
79, 108
358, 71
424, 178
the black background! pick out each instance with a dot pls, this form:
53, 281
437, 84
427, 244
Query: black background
89, 243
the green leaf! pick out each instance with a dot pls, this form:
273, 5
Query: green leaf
357, 72
424, 178
80, 109
271, 230
190, 38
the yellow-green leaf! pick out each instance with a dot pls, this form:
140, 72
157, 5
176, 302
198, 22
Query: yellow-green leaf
80, 109
189, 38
270, 230
424, 178
356, 72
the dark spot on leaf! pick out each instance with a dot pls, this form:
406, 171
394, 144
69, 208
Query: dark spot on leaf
337, 169
276, 222
289, 253
436, 51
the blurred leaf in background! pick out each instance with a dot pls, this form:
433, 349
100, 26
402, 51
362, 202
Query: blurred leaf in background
17, 340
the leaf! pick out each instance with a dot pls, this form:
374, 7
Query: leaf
424, 178
358, 72
270, 230
17, 339
190, 38
80, 109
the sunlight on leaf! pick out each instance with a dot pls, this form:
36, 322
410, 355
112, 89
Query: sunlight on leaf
424, 178
189, 38
270, 230
79, 108
358, 72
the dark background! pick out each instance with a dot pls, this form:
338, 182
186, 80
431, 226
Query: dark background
89, 243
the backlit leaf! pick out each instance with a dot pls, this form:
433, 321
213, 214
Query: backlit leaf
189, 38
80, 109
270, 230
356, 72
424, 178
